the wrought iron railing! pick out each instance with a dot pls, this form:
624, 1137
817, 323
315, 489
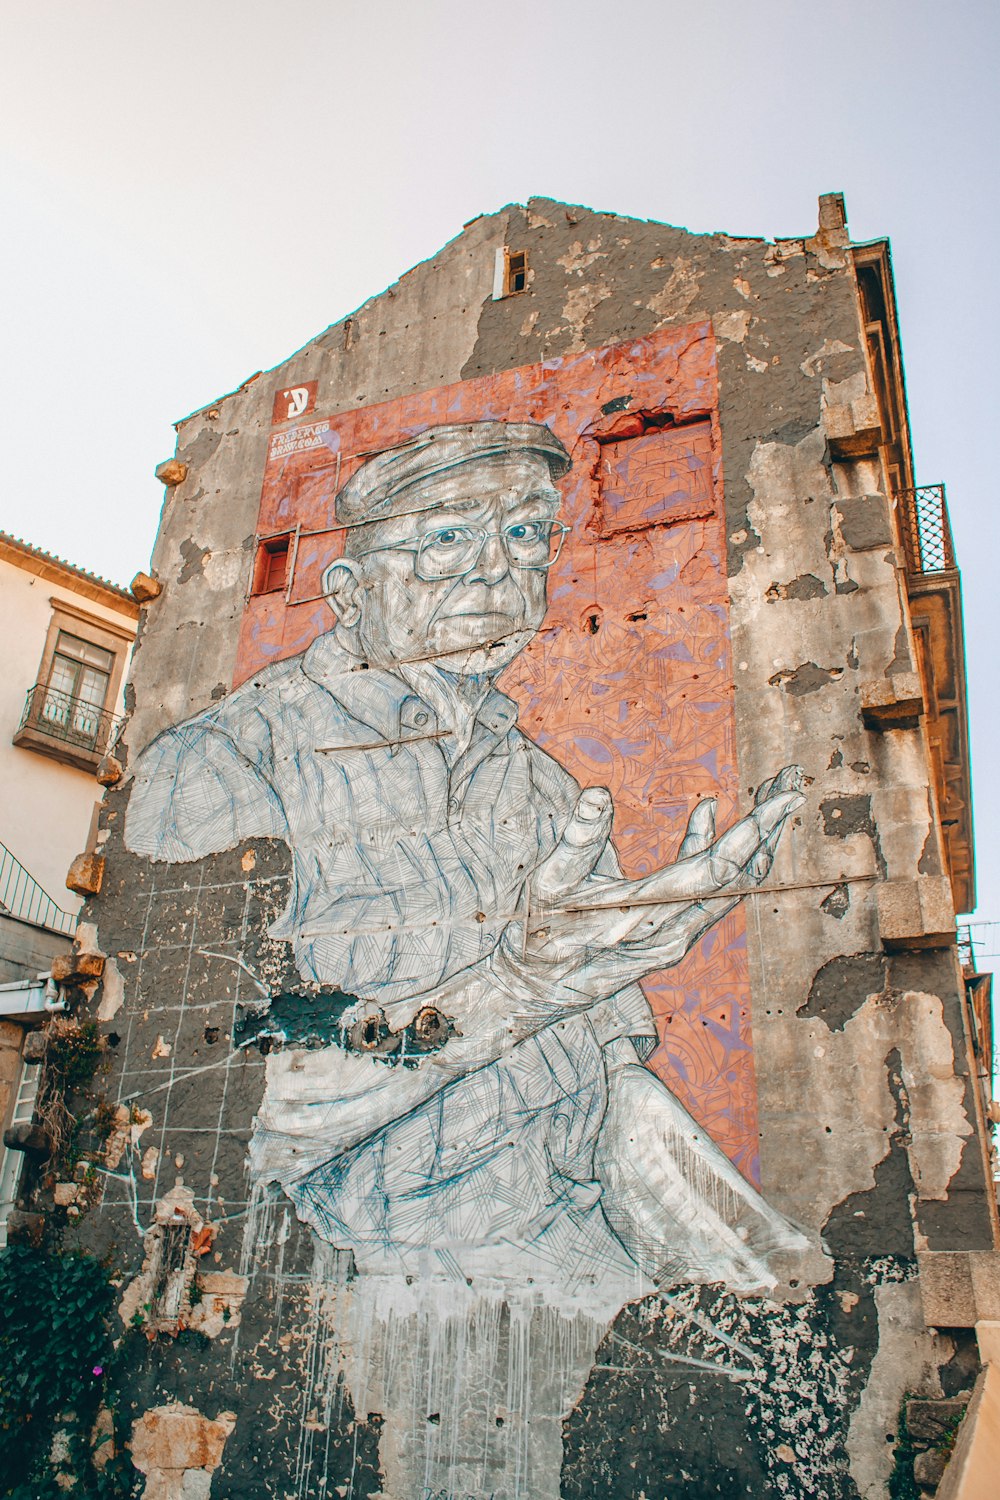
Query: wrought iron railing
22, 897
72, 721
926, 529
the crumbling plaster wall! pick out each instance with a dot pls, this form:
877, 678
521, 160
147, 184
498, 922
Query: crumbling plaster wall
817, 611
418, 334
861, 1059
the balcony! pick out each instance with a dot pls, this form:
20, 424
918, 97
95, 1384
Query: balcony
934, 588
926, 530
67, 728
23, 899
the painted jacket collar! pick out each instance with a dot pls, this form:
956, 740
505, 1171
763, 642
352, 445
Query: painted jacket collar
383, 701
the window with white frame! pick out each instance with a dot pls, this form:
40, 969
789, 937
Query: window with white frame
12, 1162
69, 709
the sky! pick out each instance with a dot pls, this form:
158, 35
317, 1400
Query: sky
192, 189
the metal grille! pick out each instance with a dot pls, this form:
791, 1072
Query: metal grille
926, 529
68, 719
22, 897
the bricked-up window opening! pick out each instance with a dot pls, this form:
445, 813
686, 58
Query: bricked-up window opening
171, 1288
656, 476
517, 272
271, 572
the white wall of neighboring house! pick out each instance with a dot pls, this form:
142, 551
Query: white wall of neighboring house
46, 806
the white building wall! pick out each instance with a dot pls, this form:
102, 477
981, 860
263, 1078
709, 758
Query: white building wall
45, 806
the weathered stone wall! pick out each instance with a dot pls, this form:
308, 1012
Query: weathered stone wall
313, 1379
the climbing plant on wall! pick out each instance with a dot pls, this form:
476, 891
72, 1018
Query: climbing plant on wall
55, 1359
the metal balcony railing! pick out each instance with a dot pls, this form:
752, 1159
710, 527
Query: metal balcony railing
926, 529
72, 721
22, 897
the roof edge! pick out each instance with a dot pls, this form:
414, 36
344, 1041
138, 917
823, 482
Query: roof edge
46, 564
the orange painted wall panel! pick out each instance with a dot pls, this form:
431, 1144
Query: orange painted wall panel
629, 683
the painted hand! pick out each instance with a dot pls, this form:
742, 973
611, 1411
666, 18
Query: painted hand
596, 935
585, 937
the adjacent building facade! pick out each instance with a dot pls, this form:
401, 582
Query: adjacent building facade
526, 945
67, 637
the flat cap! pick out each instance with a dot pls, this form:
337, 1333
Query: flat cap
389, 484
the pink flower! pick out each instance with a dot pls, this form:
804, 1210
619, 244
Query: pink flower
98, 1370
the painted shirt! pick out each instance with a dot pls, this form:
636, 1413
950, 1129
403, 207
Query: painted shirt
406, 865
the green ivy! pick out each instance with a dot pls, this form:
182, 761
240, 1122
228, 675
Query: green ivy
55, 1360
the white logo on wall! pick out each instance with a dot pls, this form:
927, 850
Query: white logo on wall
294, 401
297, 398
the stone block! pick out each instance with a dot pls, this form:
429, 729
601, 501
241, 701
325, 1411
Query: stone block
837, 423
34, 1049
915, 914
86, 874
77, 968
864, 522
145, 588
959, 1288
33, 1140
853, 431
171, 472
102, 1439
222, 1284
179, 1437
832, 211
110, 770
177, 1484
65, 1193
894, 702
25, 1229
932, 1421
63, 967
928, 1467
222, 1294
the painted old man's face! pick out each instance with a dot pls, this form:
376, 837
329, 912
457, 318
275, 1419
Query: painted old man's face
461, 580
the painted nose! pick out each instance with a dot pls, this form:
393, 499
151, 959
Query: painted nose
492, 564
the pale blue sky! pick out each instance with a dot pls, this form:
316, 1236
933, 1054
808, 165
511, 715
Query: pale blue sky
193, 188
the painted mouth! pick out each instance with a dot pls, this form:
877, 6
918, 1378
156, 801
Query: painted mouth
484, 626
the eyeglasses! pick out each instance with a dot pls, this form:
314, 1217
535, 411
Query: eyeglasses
452, 551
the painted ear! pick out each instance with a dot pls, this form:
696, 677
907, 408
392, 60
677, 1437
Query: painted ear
343, 591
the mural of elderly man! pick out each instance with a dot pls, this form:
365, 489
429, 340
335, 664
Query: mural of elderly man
457, 908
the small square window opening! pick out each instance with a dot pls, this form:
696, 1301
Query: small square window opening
517, 271
271, 572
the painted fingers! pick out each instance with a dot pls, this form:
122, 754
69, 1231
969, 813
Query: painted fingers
582, 843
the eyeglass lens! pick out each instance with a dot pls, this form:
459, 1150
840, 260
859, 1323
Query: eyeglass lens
453, 550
